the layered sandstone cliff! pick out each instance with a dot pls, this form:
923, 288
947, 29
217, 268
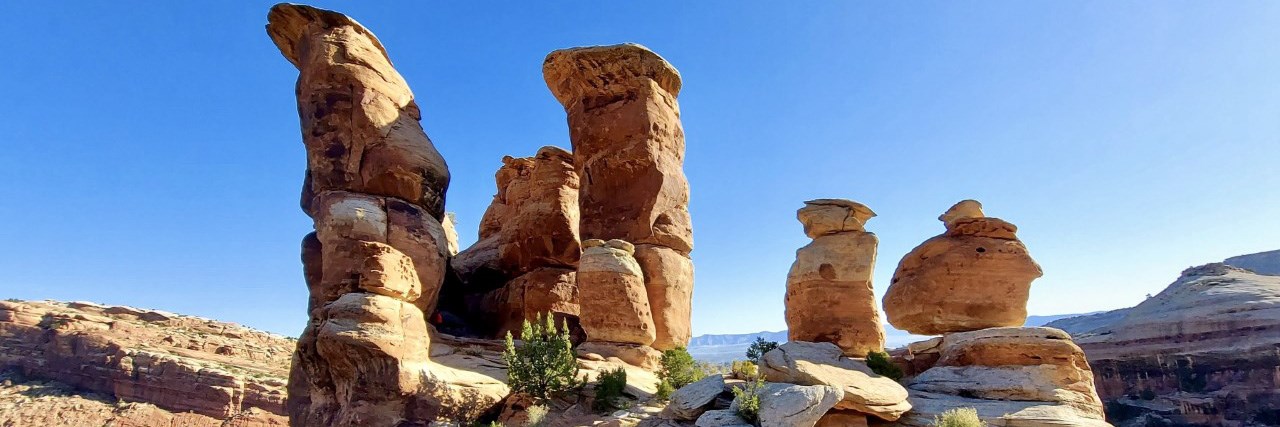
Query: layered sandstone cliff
175, 364
1203, 352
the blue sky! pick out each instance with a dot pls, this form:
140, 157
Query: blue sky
151, 153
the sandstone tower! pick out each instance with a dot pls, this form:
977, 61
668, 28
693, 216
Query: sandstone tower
375, 187
829, 293
628, 148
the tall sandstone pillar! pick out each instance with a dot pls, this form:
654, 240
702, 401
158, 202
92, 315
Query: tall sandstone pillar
628, 148
375, 187
829, 294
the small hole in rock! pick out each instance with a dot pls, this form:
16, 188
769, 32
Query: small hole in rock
982, 249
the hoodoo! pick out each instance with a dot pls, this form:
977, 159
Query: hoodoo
829, 294
375, 187
628, 148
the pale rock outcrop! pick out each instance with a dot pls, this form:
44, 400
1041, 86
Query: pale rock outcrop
614, 308
1201, 352
691, 401
975, 275
450, 226
829, 296
628, 147
787, 405
1035, 375
721, 418
375, 187
822, 363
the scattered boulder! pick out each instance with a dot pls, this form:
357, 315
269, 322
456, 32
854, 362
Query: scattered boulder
829, 296
689, 402
822, 363
721, 418
787, 405
975, 275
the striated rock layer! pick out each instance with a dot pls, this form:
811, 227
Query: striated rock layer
375, 187
829, 294
975, 275
614, 308
1012, 376
628, 149
216, 371
1202, 352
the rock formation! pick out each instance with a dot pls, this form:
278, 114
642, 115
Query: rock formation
375, 187
975, 275
865, 392
628, 149
1012, 376
168, 364
829, 296
1201, 352
614, 306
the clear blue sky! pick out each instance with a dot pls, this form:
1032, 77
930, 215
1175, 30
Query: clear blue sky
151, 156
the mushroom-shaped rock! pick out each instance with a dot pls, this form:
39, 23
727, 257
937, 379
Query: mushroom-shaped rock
975, 275
829, 294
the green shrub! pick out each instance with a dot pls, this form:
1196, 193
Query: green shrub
609, 388
880, 363
748, 400
664, 391
958, 417
759, 348
537, 416
545, 365
678, 370
745, 370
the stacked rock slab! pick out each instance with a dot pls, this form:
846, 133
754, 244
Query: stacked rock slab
628, 148
534, 217
1012, 376
975, 275
829, 295
866, 393
614, 307
375, 187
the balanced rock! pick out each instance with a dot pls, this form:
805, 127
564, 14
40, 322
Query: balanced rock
628, 147
829, 295
975, 275
613, 304
822, 363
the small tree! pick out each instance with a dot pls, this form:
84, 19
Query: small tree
759, 348
747, 399
678, 370
745, 370
880, 363
609, 387
958, 417
544, 365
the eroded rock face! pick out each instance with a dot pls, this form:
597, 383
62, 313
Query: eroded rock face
173, 364
628, 148
375, 188
822, 363
1037, 375
1182, 356
975, 275
614, 305
787, 405
691, 401
829, 295
544, 290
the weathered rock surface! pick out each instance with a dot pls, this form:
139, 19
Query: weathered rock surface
375, 187
829, 294
628, 148
689, 402
787, 405
1266, 263
822, 363
177, 364
1035, 375
843, 418
540, 198
614, 304
544, 290
1201, 352
975, 275
721, 418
